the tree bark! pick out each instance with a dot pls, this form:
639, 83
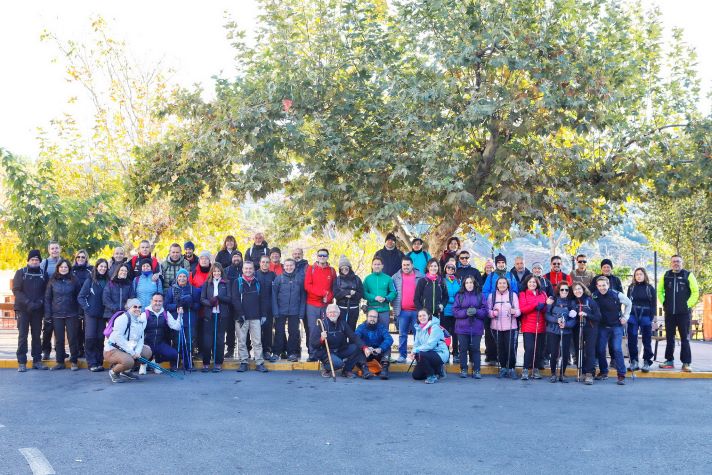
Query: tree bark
439, 233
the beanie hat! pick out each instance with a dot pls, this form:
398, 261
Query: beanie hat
537, 264
500, 258
275, 249
343, 261
34, 253
206, 254
391, 237
182, 271
607, 261
189, 245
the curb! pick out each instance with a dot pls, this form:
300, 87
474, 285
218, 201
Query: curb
402, 368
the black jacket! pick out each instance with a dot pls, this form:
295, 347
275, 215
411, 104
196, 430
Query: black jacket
288, 295
614, 283
246, 299
339, 335
28, 286
521, 281
342, 289
223, 299
589, 306
466, 271
644, 298
116, 293
61, 297
431, 295
91, 298
392, 260
266, 279
254, 253
677, 292
224, 257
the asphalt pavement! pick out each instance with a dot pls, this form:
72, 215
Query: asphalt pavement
299, 422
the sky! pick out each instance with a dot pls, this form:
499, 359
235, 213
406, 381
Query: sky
184, 36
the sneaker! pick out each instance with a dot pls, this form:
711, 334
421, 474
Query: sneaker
443, 372
348, 374
114, 377
431, 379
96, 369
130, 376
293, 358
601, 376
45, 356
502, 373
273, 358
463, 373
142, 369
588, 379
525, 375
57, 367
156, 371
217, 368
242, 368
74, 367
476, 375
455, 360
537, 374
284, 355
21, 368
633, 366
39, 365
311, 359
367, 374
621, 380
384, 372
205, 369
669, 364
646, 367
325, 373
401, 360
513, 374
686, 368
563, 379
547, 362
553, 378
261, 368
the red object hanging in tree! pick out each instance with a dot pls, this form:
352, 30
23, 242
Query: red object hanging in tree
286, 104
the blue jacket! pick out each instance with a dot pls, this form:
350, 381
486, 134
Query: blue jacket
560, 309
420, 260
452, 288
91, 298
490, 284
375, 336
144, 287
187, 297
431, 340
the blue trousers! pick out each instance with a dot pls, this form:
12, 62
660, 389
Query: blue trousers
645, 325
614, 335
165, 352
406, 322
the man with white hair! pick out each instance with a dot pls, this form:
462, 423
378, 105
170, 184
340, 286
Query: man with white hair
346, 348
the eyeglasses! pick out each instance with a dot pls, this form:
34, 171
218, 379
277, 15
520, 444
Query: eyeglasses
81, 257
556, 263
464, 258
582, 262
564, 290
322, 255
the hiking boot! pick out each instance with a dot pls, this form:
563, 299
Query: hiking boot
230, 353
205, 369
502, 372
96, 369
39, 365
325, 373
384, 372
601, 376
669, 364
284, 355
242, 368
563, 379
621, 380
537, 374
463, 373
553, 378
646, 367
45, 356
348, 374
367, 374
401, 360
74, 367
293, 358
130, 376
513, 374
261, 368
588, 379
217, 368
311, 359
142, 369
633, 366
114, 377
57, 367
21, 368
443, 372
476, 374
431, 379
525, 375
686, 368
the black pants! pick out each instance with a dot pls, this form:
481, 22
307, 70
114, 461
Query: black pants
281, 340
47, 330
81, 335
345, 357
490, 342
575, 340
305, 322
210, 340
94, 340
533, 350
29, 322
681, 324
590, 339
350, 316
71, 325
231, 335
553, 340
506, 348
267, 335
428, 363
469, 344
449, 324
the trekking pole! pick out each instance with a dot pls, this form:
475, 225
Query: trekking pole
179, 349
579, 359
215, 337
411, 364
189, 344
181, 336
328, 352
150, 364
561, 354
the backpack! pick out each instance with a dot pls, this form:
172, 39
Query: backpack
110, 326
240, 280
446, 334
135, 284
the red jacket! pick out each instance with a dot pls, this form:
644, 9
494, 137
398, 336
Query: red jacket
198, 277
319, 283
155, 265
276, 268
527, 304
556, 277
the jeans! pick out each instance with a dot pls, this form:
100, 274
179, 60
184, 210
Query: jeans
254, 327
406, 322
29, 322
345, 357
533, 350
614, 336
71, 324
469, 344
94, 340
556, 340
280, 339
429, 363
384, 318
682, 324
165, 352
646, 329
506, 348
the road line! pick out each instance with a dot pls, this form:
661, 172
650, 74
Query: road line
37, 461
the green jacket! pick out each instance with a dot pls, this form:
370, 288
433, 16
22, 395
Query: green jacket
379, 285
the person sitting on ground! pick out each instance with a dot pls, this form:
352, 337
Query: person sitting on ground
429, 348
159, 323
345, 346
378, 344
127, 334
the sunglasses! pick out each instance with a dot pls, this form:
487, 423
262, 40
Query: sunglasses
322, 255
582, 262
136, 306
81, 257
563, 290
465, 258
556, 263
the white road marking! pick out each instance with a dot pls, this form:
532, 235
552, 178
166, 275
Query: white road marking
37, 461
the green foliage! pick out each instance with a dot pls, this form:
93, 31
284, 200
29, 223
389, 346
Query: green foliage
38, 214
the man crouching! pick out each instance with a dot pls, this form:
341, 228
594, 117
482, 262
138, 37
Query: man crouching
347, 349
378, 343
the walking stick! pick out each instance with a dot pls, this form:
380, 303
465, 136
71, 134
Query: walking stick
579, 360
561, 354
150, 364
215, 337
179, 349
189, 344
328, 351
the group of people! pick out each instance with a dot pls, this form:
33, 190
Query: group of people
199, 305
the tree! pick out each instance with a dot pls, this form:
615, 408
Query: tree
459, 115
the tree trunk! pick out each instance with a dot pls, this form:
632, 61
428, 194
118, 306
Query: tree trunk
439, 233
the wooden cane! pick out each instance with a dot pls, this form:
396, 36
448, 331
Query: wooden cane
328, 352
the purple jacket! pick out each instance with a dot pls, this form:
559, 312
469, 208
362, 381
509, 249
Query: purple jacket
465, 325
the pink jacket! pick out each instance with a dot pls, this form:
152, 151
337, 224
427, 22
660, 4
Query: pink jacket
501, 303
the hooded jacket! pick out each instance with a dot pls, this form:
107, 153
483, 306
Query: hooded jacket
430, 338
379, 284
91, 297
288, 296
464, 323
246, 299
343, 287
453, 287
420, 260
490, 284
255, 252
533, 320
589, 306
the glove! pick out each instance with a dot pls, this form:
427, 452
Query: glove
540, 306
214, 302
471, 311
263, 320
572, 313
